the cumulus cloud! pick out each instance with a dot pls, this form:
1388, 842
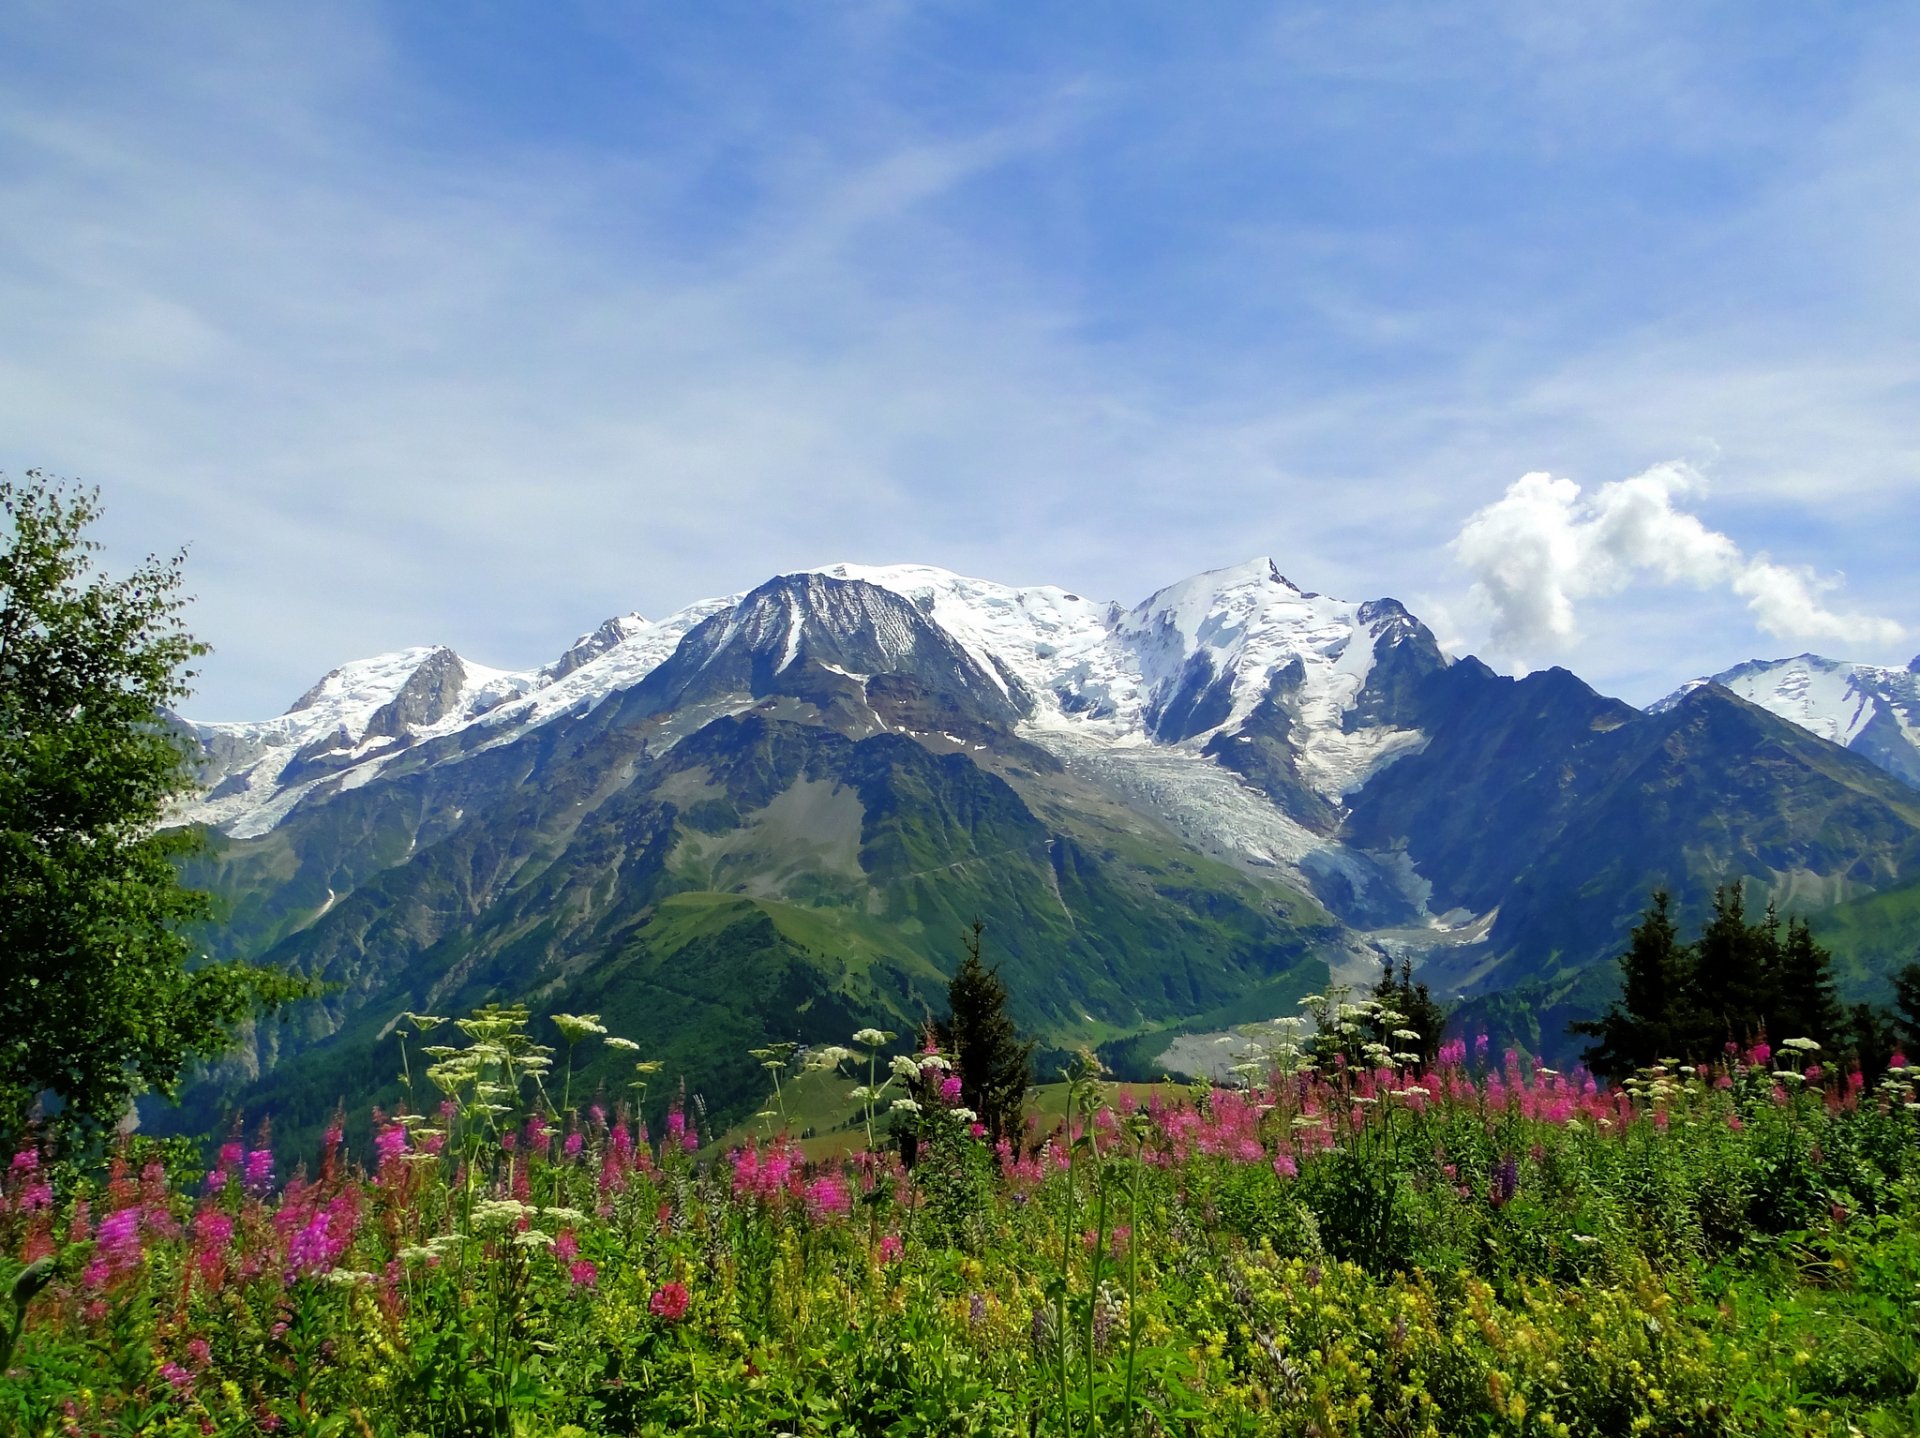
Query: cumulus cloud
1545, 545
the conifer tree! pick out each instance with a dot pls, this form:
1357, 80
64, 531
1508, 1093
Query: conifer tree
1656, 1011
993, 1064
1805, 1004
1734, 972
1906, 1008
1739, 980
1422, 1014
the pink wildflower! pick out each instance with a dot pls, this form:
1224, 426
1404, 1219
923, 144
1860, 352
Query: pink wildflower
259, 1175
828, 1195
669, 1302
582, 1273
118, 1248
890, 1248
389, 1144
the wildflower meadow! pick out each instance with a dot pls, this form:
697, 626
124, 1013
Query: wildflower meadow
1349, 1241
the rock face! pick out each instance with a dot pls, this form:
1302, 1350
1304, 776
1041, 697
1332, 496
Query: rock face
770, 813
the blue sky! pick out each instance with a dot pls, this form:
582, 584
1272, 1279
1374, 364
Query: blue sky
475, 325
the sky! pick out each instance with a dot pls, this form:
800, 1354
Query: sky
1586, 331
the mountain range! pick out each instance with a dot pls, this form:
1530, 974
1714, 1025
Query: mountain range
768, 816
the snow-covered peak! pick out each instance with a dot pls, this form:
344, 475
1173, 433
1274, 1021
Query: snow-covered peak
362, 712
1869, 708
1076, 666
1238, 626
588, 647
1829, 697
1034, 631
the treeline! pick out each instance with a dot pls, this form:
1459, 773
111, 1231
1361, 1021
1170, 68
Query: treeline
1740, 982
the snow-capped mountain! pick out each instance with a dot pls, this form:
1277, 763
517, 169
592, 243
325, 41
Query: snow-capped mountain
1868, 708
1195, 662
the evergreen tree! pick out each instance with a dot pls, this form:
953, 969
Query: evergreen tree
1737, 981
1805, 1003
100, 1000
1871, 1037
1656, 1014
1734, 970
1906, 1008
994, 1065
1419, 1011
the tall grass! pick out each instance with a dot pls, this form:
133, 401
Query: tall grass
1347, 1243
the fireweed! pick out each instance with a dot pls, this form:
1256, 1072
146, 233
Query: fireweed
1345, 1242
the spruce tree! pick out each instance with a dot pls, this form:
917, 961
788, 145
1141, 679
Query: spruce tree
1806, 1004
1415, 1004
1906, 1008
1734, 972
993, 1064
1656, 1016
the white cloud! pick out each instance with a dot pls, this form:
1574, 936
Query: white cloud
1544, 546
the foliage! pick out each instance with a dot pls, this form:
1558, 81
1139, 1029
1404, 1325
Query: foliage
1466, 1246
1737, 983
993, 1065
101, 1001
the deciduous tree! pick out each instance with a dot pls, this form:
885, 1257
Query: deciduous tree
100, 998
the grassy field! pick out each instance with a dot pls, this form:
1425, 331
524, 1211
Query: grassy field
1472, 1247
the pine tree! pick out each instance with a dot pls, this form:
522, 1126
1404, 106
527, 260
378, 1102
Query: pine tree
1656, 1011
1418, 1009
994, 1065
1806, 1004
1734, 972
1906, 1008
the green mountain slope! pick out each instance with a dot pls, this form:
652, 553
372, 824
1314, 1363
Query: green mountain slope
762, 880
